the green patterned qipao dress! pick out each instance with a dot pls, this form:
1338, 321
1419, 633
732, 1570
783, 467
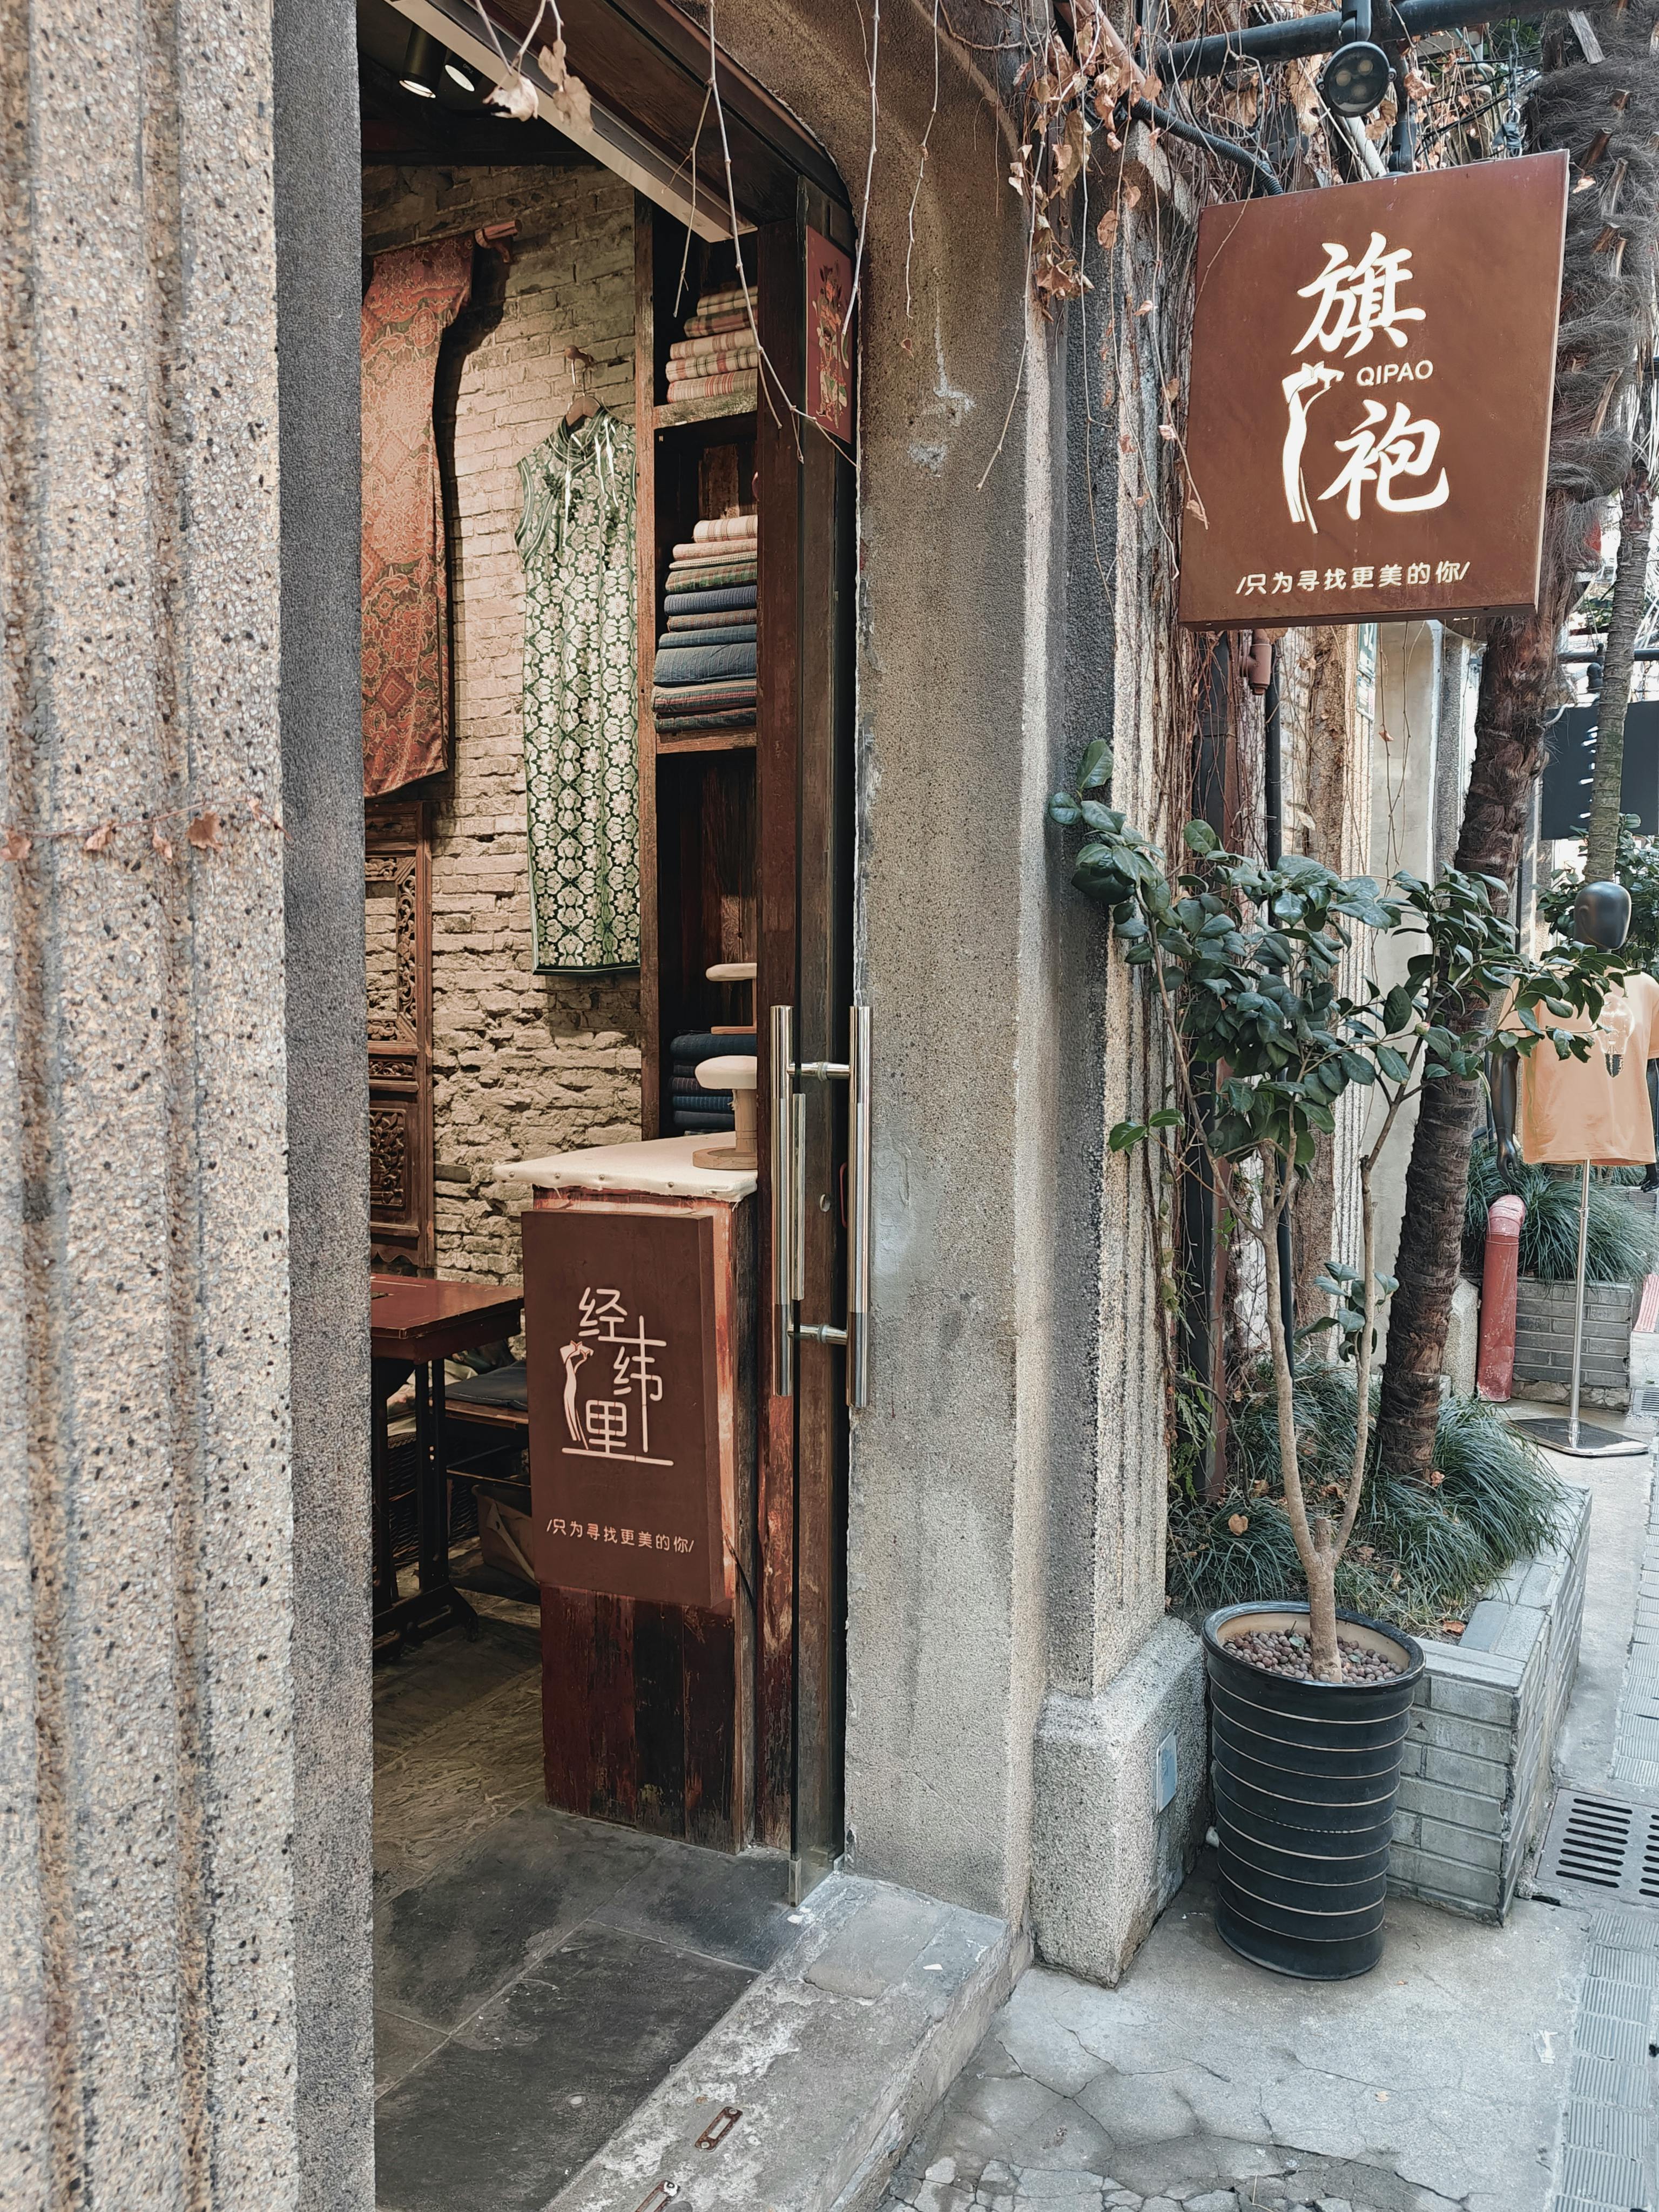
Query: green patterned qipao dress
580, 704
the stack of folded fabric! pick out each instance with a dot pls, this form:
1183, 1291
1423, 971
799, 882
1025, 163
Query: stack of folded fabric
718, 353
696, 1111
704, 677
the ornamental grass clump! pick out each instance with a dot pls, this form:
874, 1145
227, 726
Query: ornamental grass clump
1620, 1239
1245, 963
1420, 1552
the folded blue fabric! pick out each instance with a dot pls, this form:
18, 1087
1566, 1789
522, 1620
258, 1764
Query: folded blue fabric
702, 1101
698, 1044
669, 725
710, 603
701, 664
677, 640
692, 1125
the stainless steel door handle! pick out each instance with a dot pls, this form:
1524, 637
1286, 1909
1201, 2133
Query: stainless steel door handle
788, 1203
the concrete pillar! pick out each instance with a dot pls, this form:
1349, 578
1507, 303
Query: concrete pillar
145, 1675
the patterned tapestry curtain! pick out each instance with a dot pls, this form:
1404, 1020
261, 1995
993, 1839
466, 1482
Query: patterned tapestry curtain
580, 707
416, 293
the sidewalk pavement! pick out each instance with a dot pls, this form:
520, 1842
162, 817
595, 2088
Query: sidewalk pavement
1453, 2079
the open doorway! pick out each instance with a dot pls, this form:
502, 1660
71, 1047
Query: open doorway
607, 775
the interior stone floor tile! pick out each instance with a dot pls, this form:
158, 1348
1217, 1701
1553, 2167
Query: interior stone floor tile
456, 1781
735, 1908
444, 1945
503, 2113
434, 1681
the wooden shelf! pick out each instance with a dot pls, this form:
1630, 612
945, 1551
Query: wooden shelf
718, 407
707, 741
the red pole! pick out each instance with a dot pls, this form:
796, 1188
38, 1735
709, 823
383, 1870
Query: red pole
1496, 1376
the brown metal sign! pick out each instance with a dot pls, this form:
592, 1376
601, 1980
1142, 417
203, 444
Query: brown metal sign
1368, 431
624, 1415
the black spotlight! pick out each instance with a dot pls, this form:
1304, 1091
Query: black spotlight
422, 59
1355, 80
459, 74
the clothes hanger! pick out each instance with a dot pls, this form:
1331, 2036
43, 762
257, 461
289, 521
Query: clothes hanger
582, 402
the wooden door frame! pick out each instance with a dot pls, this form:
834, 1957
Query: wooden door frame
397, 849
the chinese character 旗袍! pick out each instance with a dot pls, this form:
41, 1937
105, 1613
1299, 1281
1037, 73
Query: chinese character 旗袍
1450, 572
1307, 580
1418, 573
1362, 578
1256, 582
1336, 580
1391, 573
1282, 580
1355, 300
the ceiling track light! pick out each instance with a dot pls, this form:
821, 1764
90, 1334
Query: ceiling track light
422, 59
459, 74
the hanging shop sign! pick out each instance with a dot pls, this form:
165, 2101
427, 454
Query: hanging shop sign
624, 1415
1368, 431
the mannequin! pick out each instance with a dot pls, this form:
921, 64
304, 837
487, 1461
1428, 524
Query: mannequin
1601, 916
1597, 1110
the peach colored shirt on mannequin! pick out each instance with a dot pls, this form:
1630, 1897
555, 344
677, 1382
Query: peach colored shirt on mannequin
1576, 1109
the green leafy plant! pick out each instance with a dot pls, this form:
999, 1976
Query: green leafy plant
1619, 1240
1246, 964
1419, 1554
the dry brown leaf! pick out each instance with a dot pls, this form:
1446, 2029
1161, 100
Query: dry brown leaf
1453, 1627
516, 97
1167, 430
1106, 228
17, 847
1195, 506
1126, 443
204, 833
1171, 389
102, 836
1238, 1523
1131, 196
1145, 308
160, 844
1436, 1478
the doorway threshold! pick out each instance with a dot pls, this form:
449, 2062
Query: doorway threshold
804, 2096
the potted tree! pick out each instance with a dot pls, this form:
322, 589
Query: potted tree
1266, 1025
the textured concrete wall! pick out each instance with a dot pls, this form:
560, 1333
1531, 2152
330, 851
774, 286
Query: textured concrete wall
318, 290
523, 1064
148, 1749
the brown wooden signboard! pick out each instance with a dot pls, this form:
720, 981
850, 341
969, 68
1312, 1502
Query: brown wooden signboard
1368, 431
625, 1459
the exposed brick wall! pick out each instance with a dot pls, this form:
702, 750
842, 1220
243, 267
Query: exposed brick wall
523, 1064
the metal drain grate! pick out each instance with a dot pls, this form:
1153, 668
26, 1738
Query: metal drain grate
1599, 1845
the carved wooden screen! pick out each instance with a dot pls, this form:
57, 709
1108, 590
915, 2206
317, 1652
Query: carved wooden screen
397, 939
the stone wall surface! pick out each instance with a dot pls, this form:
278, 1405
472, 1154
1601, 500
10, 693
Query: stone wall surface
147, 1747
523, 1064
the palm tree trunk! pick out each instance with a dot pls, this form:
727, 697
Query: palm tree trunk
1630, 597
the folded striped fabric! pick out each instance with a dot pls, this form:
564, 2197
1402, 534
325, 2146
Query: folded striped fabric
713, 599
682, 373
703, 664
701, 1124
723, 301
701, 1102
683, 699
728, 382
734, 718
720, 527
691, 550
710, 326
687, 580
700, 357
730, 633
688, 626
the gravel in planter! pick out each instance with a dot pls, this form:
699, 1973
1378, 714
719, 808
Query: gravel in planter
1278, 1654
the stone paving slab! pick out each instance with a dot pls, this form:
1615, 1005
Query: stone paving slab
1203, 2084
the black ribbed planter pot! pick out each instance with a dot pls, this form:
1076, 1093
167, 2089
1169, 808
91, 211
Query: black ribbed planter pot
1304, 1777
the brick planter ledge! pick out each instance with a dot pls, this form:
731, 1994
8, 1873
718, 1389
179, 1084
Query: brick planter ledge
1476, 1781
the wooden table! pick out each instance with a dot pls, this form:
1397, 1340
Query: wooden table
415, 1322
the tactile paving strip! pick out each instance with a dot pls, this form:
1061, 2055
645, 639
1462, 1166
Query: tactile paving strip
1606, 2161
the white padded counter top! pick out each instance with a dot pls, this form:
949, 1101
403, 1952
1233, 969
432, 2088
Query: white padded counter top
661, 1169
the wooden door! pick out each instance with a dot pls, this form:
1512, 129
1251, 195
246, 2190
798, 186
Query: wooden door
805, 786
397, 935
